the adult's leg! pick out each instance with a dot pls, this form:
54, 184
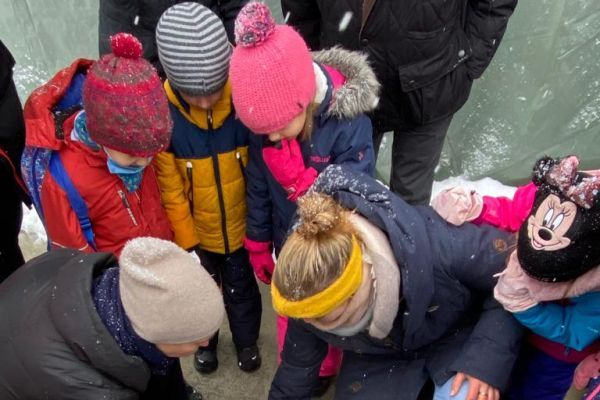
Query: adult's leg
11, 215
169, 386
415, 154
242, 299
377, 138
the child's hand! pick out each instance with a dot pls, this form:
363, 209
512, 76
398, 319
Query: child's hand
513, 288
458, 205
287, 167
261, 259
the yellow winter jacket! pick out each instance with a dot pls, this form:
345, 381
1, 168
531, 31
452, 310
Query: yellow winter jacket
201, 175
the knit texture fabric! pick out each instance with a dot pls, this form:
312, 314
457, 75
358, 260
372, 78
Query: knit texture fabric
168, 296
271, 72
105, 292
193, 49
126, 106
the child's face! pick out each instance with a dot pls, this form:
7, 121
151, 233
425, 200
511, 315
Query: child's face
203, 102
126, 160
291, 130
181, 349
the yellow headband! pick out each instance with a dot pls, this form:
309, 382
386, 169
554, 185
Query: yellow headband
324, 302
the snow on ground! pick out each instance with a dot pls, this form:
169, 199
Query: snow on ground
33, 236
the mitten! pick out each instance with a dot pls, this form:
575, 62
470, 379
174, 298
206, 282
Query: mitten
458, 205
261, 259
287, 167
513, 287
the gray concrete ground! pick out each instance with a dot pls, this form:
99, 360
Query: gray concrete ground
228, 382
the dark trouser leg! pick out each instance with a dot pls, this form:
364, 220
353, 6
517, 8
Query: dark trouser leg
377, 138
212, 264
415, 154
170, 386
11, 215
242, 299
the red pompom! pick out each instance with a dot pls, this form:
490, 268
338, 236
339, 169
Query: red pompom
126, 45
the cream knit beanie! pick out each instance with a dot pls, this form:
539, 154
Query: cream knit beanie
167, 295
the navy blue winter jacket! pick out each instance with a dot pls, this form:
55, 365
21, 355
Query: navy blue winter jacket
448, 320
341, 135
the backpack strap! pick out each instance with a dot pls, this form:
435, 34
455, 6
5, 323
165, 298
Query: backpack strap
57, 170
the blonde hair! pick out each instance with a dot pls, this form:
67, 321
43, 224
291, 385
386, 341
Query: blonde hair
309, 122
317, 251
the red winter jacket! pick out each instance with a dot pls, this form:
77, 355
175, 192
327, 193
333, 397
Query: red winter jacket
115, 214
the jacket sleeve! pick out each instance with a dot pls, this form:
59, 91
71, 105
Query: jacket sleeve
258, 199
508, 214
575, 325
485, 24
61, 222
492, 348
354, 146
301, 359
304, 15
175, 201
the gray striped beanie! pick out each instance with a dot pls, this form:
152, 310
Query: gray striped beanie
193, 49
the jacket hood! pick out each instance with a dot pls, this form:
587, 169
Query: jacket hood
404, 225
38, 111
360, 92
72, 308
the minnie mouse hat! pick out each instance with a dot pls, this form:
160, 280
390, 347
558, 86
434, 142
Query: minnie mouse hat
560, 240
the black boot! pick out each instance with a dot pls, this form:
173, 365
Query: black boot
192, 393
249, 359
205, 360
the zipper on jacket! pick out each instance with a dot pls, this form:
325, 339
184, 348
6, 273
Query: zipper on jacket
215, 159
238, 155
190, 176
123, 197
209, 119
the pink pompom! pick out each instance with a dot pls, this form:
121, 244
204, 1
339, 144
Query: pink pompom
126, 45
253, 24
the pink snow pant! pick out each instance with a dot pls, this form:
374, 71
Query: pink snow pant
330, 365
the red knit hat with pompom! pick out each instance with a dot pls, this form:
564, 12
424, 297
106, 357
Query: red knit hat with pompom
271, 71
124, 101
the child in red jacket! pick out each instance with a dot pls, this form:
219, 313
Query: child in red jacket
101, 153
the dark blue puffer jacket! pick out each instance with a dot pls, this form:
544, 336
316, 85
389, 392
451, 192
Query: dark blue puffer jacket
342, 134
448, 319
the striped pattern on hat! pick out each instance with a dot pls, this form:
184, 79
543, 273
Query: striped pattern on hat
193, 49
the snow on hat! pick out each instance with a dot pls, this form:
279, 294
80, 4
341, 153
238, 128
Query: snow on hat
559, 240
167, 295
193, 49
271, 71
125, 104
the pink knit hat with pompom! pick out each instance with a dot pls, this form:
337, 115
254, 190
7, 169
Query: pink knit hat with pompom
271, 71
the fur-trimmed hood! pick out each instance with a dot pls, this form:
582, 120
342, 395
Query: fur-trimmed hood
360, 92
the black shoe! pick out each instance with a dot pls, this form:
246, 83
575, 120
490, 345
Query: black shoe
323, 385
192, 394
249, 359
205, 361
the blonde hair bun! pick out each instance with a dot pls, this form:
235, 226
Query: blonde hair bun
318, 214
